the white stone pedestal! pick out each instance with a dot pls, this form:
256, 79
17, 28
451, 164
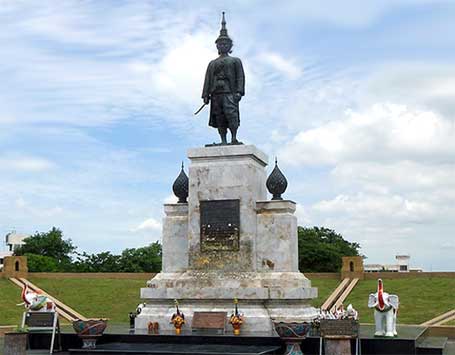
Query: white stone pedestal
263, 273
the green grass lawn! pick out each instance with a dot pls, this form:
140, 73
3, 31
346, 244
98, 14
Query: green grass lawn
10, 295
421, 299
104, 298
111, 298
325, 288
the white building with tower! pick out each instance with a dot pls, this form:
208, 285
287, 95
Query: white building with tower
14, 240
401, 265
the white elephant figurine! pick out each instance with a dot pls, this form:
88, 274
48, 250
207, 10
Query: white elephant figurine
385, 311
34, 301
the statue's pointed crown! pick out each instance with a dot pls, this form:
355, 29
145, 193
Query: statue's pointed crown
223, 32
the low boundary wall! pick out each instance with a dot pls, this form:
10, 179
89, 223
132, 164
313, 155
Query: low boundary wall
382, 275
323, 275
406, 275
91, 275
310, 275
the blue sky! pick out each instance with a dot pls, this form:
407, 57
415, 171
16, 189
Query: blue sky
355, 98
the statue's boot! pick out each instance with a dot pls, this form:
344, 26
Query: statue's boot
234, 136
223, 134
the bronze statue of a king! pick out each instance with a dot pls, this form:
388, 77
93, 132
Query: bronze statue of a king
224, 87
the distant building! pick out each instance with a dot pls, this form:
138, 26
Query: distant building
12, 241
402, 265
403, 262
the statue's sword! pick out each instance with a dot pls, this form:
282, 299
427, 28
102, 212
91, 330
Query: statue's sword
200, 109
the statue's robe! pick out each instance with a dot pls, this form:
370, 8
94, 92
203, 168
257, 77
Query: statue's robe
224, 79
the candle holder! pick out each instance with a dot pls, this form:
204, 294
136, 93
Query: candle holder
178, 319
236, 318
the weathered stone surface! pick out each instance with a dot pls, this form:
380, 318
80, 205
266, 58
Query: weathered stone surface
218, 279
258, 318
228, 152
175, 237
215, 293
263, 274
276, 242
275, 206
338, 346
258, 315
226, 172
207, 293
15, 344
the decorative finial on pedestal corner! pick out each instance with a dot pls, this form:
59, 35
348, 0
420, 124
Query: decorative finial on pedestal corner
276, 182
180, 186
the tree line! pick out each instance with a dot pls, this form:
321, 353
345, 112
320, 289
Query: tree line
320, 250
50, 252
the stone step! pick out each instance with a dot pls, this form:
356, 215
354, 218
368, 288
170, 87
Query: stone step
178, 349
431, 345
449, 349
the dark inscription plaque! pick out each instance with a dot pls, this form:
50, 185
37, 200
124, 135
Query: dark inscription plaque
339, 328
39, 319
220, 225
208, 322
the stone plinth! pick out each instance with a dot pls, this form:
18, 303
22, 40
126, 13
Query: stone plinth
175, 238
261, 271
221, 173
214, 285
276, 245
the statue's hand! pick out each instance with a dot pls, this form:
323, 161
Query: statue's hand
206, 100
238, 97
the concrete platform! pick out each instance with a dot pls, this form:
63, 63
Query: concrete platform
411, 340
179, 349
431, 345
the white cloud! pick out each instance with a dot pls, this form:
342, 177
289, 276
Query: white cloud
376, 170
25, 164
285, 66
378, 208
427, 178
303, 217
20, 202
183, 66
385, 132
171, 199
349, 13
391, 171
36, 210
425, 85
148, 224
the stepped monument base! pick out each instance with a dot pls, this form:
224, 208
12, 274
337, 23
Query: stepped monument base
229, 242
